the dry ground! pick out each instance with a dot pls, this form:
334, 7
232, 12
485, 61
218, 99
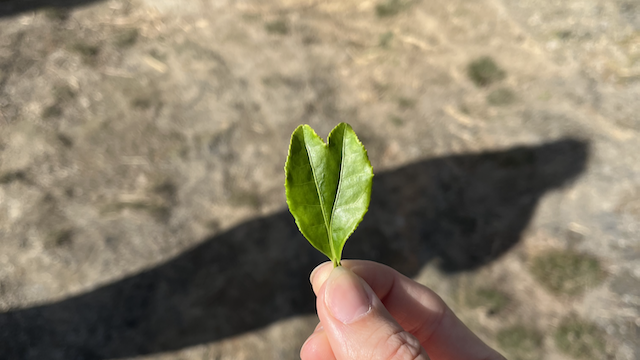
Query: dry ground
142, 146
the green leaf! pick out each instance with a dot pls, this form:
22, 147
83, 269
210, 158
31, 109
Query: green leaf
328, 186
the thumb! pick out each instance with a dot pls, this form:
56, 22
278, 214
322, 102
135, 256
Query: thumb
357, 324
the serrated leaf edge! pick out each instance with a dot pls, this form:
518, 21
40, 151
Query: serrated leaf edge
286, 164
335, 257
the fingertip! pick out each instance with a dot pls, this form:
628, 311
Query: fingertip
357, 324
319, 275
347, 297
315, 270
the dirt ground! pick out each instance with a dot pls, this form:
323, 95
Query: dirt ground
142, 145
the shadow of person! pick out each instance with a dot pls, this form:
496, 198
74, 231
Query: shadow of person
15, 7
465, 210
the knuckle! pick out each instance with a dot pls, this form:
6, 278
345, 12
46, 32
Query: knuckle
405, 347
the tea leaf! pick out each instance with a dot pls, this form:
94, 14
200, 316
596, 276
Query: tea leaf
328, 186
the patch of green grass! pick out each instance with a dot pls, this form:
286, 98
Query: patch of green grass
65, 140
563, 34
580, 339
59, 238
63, 92
520, 342
127, 38
396, 120
567, 272
86, 49
52, 111
491, 299
406, 103
279, 27
142, 102
88, 52
13, 176
167, 190
501, 97
390, 8
158, 54
484, 71
385, 39
276, 80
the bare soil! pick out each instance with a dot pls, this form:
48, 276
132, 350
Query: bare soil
142, 145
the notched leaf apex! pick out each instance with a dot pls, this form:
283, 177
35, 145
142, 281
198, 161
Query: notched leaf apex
315, 189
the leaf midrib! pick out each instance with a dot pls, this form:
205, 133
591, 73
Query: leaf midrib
335, 201
315, 180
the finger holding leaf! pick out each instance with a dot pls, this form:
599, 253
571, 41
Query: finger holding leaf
328, 186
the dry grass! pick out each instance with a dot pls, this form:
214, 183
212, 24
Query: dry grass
567, 272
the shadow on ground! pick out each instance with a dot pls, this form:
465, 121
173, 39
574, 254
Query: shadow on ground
464, 211
15, 7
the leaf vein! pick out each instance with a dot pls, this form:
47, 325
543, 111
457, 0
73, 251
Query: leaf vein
353, 203
336, 200
315, 179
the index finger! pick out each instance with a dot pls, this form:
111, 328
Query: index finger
418, 310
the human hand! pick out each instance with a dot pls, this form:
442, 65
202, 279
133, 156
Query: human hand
370, 311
